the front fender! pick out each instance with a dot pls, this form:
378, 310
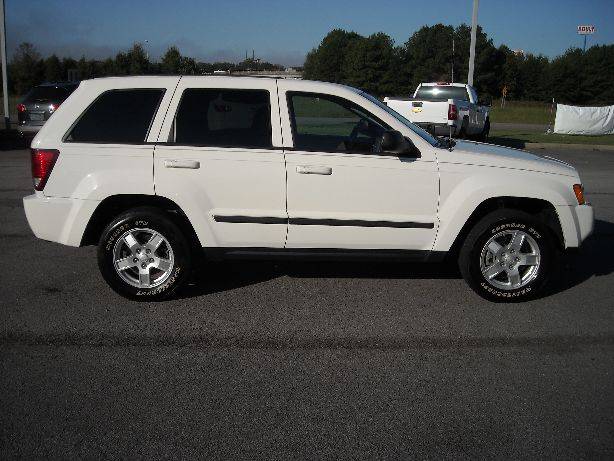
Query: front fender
461, 195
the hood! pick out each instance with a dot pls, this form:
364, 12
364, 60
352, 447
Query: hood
478, 153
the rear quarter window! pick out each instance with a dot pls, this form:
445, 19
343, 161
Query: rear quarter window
117, 116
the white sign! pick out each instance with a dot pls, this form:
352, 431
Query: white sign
586, 29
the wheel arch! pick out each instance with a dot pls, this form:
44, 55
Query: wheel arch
542, 209
114, 205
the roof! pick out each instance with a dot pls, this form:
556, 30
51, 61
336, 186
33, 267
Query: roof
56, 84
444, 84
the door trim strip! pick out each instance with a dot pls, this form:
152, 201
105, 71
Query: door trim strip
322, 222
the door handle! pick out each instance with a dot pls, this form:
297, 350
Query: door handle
306, 169
191, 164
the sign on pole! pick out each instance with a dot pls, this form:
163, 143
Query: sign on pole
586, 29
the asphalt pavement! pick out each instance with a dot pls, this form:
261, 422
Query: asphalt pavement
280, 361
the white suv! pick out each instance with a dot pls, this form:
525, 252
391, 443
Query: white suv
154, 169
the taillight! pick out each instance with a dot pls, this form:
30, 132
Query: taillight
452, 112
43, 161
21, 107
53, 107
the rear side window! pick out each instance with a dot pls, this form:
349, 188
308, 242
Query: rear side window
224, 118
118, 116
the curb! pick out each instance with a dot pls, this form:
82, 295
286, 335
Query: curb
544, 145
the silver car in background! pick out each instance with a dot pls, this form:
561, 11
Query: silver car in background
38, 105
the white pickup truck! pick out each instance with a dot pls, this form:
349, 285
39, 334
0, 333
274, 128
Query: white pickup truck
439, 107
155, 170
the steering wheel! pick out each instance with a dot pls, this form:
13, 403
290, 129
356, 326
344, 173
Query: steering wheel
360, 127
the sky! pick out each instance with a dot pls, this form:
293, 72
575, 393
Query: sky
283, 31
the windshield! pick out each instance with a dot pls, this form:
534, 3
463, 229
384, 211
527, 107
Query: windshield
416, 129
437, 93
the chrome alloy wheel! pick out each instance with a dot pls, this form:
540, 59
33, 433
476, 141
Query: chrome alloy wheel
510, 260
143, 258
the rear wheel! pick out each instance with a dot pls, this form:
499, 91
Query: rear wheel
142, 255
507, 256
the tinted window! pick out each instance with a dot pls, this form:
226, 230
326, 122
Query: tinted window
118, 116
435, 93
330, 124
224, 118
47, 93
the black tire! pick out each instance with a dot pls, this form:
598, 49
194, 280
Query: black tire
483, 136
174, 247
497, 223
462, 134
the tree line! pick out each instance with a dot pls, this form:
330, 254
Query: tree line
373, 63
377, 65
28, 69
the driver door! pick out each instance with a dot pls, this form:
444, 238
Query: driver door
343, 195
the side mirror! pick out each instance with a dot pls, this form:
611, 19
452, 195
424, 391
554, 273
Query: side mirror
393, 142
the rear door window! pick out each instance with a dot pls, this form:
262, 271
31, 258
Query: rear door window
224, 118
118, 116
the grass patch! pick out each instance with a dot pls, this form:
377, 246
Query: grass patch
522, 112
519, 138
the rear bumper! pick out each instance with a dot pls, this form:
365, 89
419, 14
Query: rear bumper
439, 129
577, 223
61, 220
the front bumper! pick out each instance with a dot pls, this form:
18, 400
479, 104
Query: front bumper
577, 223
61, 220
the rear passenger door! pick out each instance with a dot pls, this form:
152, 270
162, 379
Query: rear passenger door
219, 157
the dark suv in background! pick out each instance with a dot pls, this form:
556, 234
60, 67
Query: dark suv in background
38, 105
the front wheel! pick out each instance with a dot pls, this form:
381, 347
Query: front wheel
143, 255
507, 256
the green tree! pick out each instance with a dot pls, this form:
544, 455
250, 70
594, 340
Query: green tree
568, 81
369, 64
325, 62
598, 74
427, 55
86, 68
27, 69
138, 62
171, 61
535, 78
53, 69
489, 61
188, 66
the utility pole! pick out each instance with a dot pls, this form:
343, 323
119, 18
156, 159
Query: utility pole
474, 30
452, 81
5, 90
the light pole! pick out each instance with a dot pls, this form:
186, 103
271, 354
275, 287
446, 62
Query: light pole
474, 27
5, 90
